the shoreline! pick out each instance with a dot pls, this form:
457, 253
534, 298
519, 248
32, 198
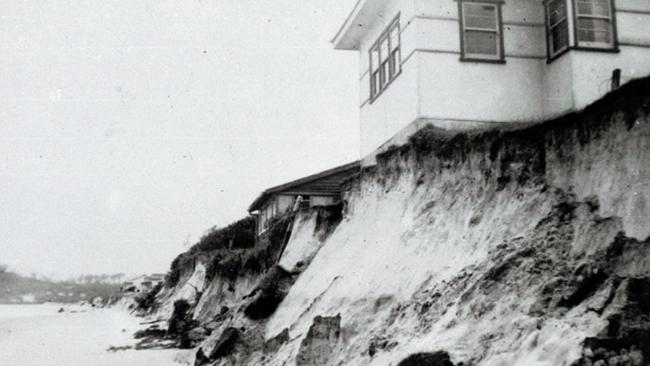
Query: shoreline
38, 335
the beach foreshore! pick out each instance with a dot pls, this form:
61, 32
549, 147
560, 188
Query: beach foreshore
40, 335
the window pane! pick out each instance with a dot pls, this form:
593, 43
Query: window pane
594, 30
396, 60
374, 58
484, 43
384, 49
480, 16
594, 7
559, 37
557, 12
374, 83
384, 58
394, 37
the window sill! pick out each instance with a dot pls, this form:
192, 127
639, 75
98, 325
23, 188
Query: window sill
558, 55
583, 48
614, 49
483, 60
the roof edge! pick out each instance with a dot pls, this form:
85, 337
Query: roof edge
262, 197
337, 39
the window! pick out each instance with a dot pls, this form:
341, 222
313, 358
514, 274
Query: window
481, 31
595, 23
306, 202
557, 27
385, 59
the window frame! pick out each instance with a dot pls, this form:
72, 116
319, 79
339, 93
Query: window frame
500, 58
549, 28
574, 40
588, 46
388, 69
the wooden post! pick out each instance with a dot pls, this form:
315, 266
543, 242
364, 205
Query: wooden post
616, 79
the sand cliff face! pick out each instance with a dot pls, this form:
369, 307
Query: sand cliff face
517, 247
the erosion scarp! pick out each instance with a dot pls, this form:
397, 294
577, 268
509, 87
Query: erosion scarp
518, 246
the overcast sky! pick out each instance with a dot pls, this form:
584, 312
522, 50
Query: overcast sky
128, 128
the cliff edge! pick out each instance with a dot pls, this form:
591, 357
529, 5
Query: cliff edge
518, 246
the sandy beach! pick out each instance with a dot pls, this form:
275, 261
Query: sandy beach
37, 335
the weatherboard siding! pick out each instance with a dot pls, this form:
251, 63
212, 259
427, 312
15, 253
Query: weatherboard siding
434, 84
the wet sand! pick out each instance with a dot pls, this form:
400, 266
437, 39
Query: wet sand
37, 335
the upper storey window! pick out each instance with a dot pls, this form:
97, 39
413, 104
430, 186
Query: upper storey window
557, 27
385, 59
595, 23
481, 31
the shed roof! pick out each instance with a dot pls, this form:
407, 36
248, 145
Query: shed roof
325, 182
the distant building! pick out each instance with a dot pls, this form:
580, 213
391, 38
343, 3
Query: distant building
462, 64
143, 283
28, 298
156, 278
320, 189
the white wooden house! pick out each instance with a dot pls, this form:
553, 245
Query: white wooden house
321, 189
462, 64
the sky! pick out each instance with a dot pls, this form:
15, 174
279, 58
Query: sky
129, 128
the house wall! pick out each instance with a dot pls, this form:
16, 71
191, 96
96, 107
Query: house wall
496, 92
436, 87
323, 200
434, 84
285, 202
280, 204
592, 71
578, 78
558, 86
398, 104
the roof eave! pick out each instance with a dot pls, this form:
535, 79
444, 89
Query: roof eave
257, 203
342, 40
262, 198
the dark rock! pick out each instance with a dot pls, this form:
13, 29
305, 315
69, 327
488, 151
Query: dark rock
322, 337
268, 295
380, 343
201, 359
440, 358
274, 344
180, 319
181, 323
197, 335
626, 340
585, 286
228, 342
151, 332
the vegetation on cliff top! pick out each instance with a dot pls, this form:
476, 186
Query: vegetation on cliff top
234, 262
522, 145
232, 252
